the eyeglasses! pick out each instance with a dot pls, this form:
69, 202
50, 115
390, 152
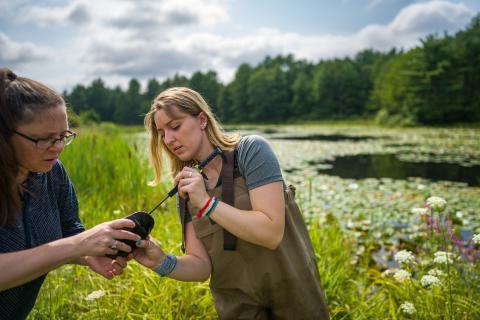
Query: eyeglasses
44, 144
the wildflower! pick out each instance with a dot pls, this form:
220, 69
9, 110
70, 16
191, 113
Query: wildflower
436, 273
408, 307
404, 256
429, 281
436, 203
476, 238
95, 295
442, 257
402, 275
116, 212
419, 211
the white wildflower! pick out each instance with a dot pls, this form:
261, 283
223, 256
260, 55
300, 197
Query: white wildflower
95, 295
404, 256
402, 275
420, 186
429, 281
442, 257
408, 307
436, 273
419, 211
459, 214
436, 203
476, 238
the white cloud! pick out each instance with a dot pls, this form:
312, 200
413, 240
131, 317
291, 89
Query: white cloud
13, 54
118, 40
429, 17
414, 22
74, 13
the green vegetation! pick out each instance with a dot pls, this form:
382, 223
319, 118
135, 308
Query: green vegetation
436, 83
357, 227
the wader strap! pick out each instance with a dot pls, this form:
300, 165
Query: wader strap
229, 240
183, 212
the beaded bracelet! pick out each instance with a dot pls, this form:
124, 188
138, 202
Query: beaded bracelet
167, 266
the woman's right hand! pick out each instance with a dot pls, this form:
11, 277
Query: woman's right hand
105, 238
149, 253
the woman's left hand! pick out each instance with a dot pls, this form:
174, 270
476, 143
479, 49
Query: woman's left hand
105, 266
190, 182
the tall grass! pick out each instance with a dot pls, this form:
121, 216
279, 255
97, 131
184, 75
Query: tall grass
110, 172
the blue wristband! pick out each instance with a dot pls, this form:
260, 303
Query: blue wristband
167, 266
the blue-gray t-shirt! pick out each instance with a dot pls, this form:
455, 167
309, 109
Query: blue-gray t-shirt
256, 162
50, 212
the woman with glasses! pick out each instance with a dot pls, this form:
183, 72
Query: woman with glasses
39, 225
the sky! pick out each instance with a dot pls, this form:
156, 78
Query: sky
68, 42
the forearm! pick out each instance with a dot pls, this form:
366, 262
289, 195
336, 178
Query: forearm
191, 268
23, 266
252, 226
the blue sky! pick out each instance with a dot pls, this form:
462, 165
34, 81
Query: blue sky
66, 42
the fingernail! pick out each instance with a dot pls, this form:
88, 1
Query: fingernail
138, 243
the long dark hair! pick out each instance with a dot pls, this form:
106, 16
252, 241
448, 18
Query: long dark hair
20, 99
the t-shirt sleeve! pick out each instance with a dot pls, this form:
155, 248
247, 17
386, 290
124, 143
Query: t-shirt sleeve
257, 162
67, 202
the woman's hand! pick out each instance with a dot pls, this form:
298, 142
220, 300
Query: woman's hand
190, 182
149, 253
105, 266
105, 238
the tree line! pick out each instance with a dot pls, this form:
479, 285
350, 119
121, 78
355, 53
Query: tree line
437, 82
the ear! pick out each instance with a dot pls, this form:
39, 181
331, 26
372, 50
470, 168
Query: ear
203, 120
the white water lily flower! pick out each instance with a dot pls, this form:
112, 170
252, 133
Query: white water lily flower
402, 275
404, 256
442, 257
436, 203
419, 211
476, 238
430, 281
408, 307
95, 295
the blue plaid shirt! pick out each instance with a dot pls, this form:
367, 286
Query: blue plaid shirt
50, 212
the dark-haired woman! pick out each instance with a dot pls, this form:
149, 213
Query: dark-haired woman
39, 225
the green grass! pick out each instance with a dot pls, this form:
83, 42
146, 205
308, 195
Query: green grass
348, 222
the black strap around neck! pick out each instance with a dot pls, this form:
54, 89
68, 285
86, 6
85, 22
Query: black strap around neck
227, 176
229, 240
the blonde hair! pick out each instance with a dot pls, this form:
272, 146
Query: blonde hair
190, 102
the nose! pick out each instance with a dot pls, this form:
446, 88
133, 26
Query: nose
168, 137
58, 145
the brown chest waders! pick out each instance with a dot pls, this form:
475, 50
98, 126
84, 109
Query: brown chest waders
252, 282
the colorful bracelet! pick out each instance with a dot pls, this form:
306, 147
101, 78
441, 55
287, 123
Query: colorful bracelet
167, 266
208, 208
200, 212
212, 207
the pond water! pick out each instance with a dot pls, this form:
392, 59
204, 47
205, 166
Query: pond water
389, 166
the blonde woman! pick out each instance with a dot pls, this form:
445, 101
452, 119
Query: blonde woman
241, 226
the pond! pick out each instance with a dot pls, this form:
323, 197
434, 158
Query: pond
390, 166
371, 178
